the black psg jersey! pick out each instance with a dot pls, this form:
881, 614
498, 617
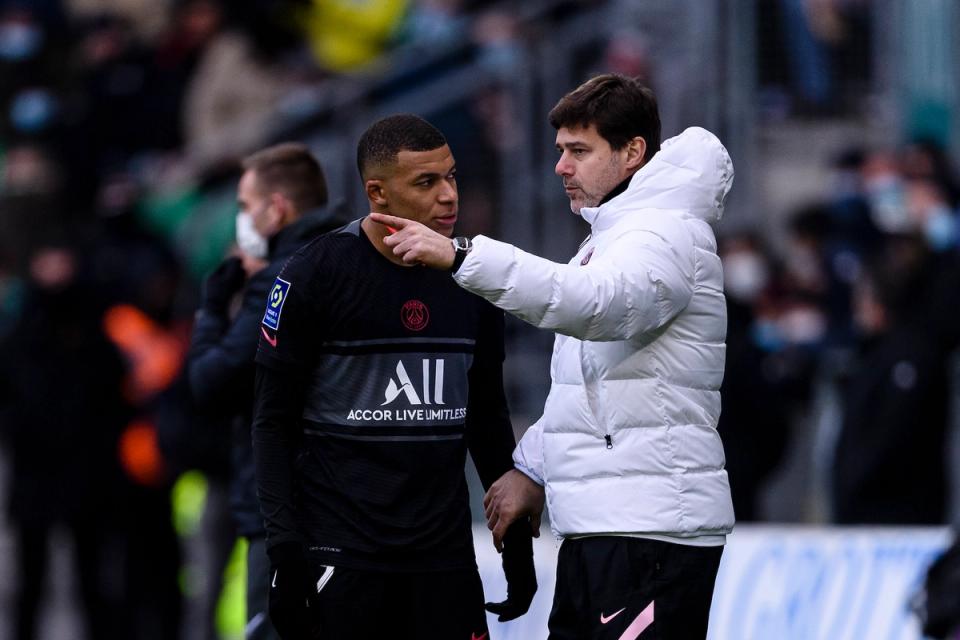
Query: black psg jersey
401, 373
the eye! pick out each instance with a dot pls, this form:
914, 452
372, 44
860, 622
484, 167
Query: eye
578, 152
426, 182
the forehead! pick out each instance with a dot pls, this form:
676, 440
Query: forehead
248, 188
439, 160
579, 135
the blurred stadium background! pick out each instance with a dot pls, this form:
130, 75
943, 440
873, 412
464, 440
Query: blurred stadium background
121, 124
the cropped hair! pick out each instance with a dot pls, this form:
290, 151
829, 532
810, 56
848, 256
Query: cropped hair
385, 138
620, 107
290, 169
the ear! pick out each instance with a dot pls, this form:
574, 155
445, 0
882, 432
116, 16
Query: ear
281, 209
376, 192
636, 150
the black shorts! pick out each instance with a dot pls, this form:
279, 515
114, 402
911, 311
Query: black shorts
360, 605
621, 588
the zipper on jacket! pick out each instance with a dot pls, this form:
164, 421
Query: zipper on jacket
609, 441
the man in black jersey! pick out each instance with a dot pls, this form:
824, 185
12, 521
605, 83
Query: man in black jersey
282, 197
374, 378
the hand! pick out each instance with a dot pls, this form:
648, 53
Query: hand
519, 571
289, 591
510, 498
415, 243
226, 280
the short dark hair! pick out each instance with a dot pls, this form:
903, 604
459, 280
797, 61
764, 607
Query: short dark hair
385, 138
289, 168
620, 107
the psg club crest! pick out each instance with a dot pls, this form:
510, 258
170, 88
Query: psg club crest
414, 315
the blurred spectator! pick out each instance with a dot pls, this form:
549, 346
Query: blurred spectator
230, 101
30, 202
347, 36
104, 123
34, 76
926, 159
61, 412
889, 465
755, 421
195, 23
435, 23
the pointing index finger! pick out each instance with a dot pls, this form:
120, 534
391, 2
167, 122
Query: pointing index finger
391, 222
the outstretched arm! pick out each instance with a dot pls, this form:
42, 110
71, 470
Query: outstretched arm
639, 284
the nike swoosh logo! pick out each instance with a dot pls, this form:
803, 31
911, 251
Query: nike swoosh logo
272, 341
474, 636
274, 583
605, 619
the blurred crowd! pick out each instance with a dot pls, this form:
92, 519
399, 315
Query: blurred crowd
854, 313
115, 114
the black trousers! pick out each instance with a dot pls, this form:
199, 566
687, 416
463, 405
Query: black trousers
617, 588
371, 605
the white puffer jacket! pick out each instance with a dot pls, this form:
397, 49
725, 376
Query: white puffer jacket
627, 443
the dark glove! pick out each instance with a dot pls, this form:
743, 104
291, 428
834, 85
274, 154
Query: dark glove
222, 284
289, 591
518, 568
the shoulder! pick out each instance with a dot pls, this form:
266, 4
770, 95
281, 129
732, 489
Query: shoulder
643, 225
324, 254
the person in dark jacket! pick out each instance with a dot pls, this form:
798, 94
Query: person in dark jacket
890, 466
282, 196
61, 413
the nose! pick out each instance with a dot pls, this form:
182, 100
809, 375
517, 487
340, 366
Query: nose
448, 193
564, 167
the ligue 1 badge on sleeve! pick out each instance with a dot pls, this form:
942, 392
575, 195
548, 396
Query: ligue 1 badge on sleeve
278, 296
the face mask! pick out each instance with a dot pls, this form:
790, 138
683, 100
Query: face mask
248, 238
888, 207
744, 275
940, 229
19, 41
32, 110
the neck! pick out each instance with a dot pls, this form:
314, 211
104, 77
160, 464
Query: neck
376, 232
617, 190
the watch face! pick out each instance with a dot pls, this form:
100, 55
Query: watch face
462, 244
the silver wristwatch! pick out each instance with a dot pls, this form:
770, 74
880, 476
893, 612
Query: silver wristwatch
461, 247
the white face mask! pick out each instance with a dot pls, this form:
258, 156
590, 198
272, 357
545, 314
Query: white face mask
745, 275
249, 239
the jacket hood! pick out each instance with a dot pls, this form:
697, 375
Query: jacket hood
692, 171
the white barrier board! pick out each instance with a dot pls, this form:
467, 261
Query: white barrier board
775, 583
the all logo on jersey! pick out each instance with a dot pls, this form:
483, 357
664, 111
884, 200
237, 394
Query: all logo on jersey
403, 385
414, 315
416, 398
276, 299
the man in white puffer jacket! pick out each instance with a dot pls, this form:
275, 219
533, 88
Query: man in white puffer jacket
627, 447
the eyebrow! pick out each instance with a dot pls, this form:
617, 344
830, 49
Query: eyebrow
572, 143
433, 174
